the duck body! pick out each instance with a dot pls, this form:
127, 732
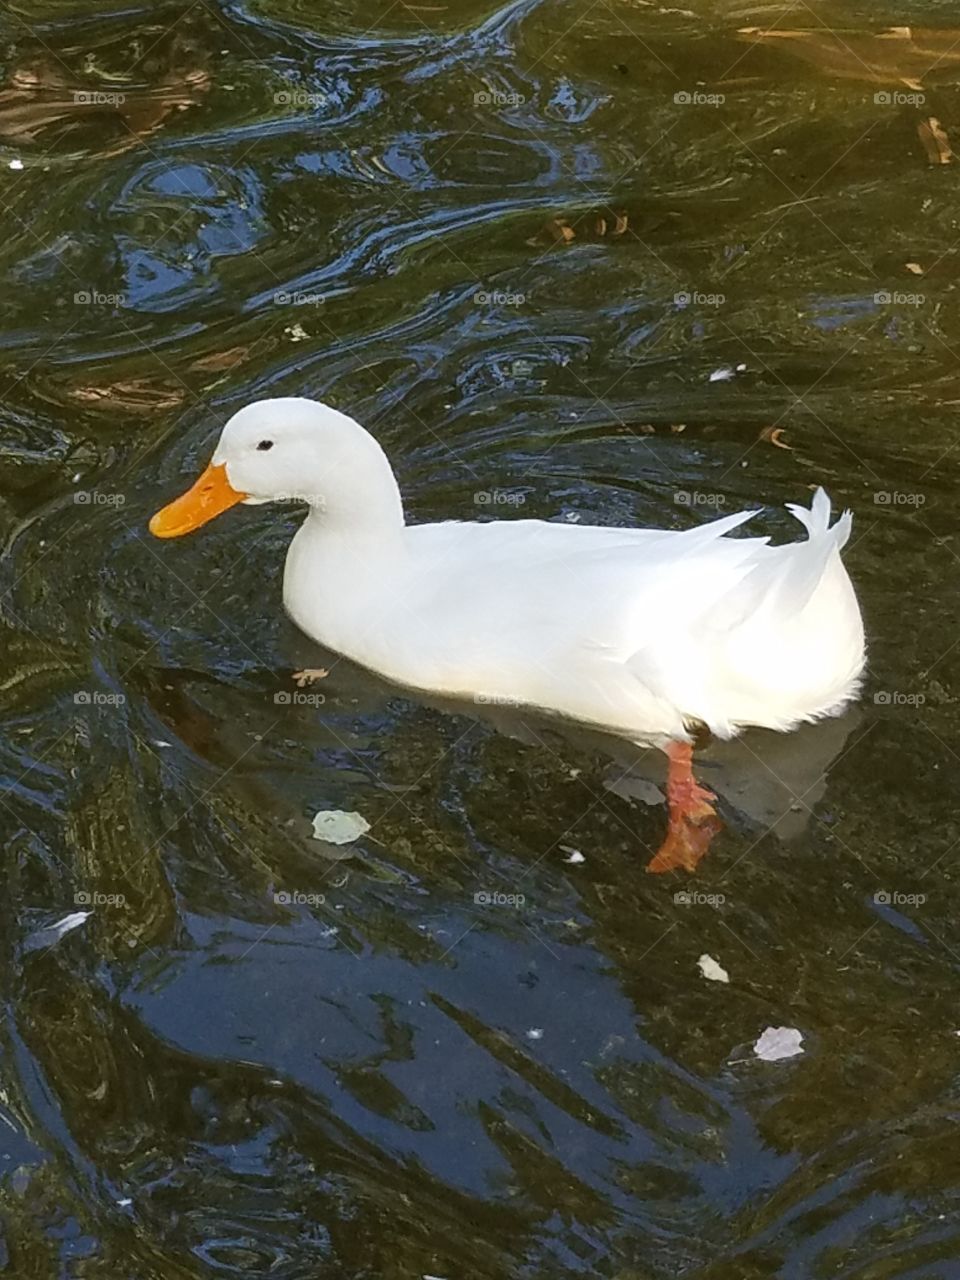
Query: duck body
642, 632
646, 633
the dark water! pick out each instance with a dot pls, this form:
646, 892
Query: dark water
494, 215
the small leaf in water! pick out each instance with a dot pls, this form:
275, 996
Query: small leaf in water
558, 229
777, 1043
775, 437
711, 970
935, 141
338, 827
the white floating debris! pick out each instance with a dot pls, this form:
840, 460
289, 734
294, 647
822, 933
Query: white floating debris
712, 971
777, 1043
338, 827
296, 333
575, 855
16, 164
73, 921
54, 932
727, 372
535, 1033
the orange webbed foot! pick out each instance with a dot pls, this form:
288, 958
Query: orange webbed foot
693, 821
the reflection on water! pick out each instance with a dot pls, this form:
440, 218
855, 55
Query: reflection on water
516, 242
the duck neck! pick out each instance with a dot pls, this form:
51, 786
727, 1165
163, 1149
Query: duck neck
376, 516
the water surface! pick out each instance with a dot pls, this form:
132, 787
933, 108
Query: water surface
515, 242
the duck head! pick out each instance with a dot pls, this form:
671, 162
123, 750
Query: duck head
290, 450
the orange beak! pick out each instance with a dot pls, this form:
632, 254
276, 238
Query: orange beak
211, 494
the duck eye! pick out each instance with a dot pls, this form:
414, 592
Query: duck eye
265, 444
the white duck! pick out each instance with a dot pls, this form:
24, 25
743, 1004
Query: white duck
647, 633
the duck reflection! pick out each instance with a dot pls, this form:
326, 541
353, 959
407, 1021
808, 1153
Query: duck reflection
770, 782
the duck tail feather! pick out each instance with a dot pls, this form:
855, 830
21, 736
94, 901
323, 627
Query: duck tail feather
786, 583
816, 519
712, 529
